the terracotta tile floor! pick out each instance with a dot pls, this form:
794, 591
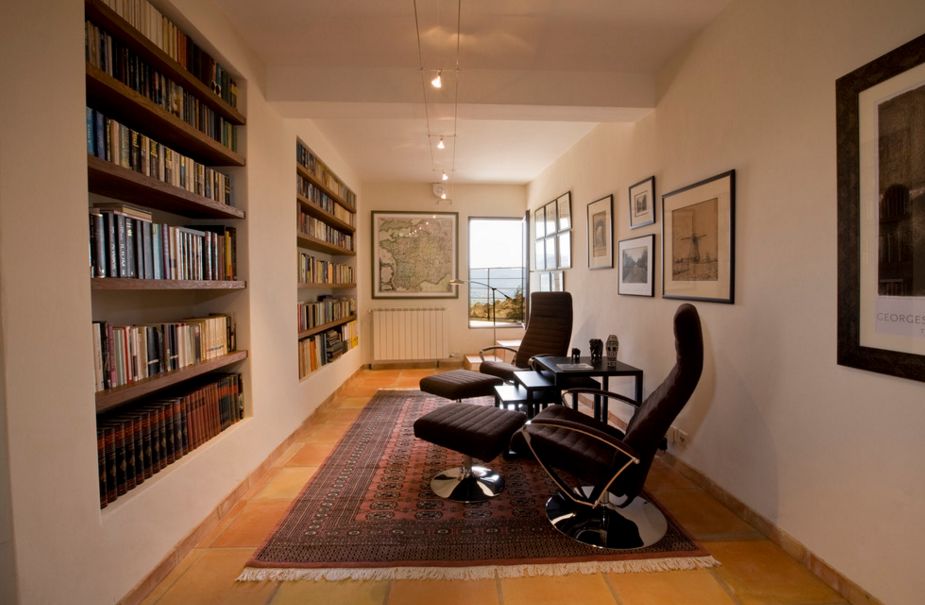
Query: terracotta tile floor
754, 571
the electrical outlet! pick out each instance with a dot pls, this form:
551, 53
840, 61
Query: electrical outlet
677, 437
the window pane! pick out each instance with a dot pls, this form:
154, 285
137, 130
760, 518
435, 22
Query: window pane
496, 271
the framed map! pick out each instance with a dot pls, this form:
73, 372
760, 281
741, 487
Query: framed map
414, 254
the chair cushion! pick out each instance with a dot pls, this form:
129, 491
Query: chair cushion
460, 384
501, 369
474, 430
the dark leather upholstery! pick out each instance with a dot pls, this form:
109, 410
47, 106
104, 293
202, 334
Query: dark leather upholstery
460, 384
549, 330
474, 430
593, 460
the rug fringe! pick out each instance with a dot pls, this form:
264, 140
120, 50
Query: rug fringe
275, 574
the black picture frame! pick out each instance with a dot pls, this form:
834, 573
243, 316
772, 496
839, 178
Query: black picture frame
698, 241
870, 336
600, 233
636, 266
641, 203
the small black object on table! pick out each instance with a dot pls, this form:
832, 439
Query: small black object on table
564, 371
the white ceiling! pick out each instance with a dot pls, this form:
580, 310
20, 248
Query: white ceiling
534, 75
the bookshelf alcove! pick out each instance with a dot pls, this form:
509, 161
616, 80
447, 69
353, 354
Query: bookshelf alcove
325, 236
163, 131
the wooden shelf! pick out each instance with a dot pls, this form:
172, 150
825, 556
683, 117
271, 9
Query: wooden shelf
313, 286
111, 398
305, 172
106, 18
118, 101
121, 183
324, 216
122, 283
325, 327
313, 243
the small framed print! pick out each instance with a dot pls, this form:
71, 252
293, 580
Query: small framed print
557, 281
642, 203
600, 233
539, 259
565, 250
564, 207
539, 223
552, 215
636, 266
552, 261
698, 241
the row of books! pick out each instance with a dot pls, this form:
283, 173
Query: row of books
114, 142
314, 270
325, 310
320, 349
323, 231
166, 35
129, 353
126, 243
135, 442
316, 167
319, 198
111, 56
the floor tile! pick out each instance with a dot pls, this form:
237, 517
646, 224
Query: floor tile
211, 579
697, 587
431, 592
253, 525
703, 517
331, 593
286, 483
760, 573
556, 590
310, 454
173, 576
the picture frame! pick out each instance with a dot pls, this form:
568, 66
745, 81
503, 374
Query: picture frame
698, 241
552, 256
564, 211
414, 254
539, 222
636, 266
600, 233
881, 239
539, 257
557, 281
552, 218
641, 203
564, 250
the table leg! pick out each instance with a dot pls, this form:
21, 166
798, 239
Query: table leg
639, 389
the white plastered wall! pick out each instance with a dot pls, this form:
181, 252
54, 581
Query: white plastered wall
829, 454
64, 549
468, 201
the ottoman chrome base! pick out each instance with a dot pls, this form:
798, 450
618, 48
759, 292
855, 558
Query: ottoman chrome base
467, 483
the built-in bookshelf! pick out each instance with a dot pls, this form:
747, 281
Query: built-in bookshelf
163, 138
326, 272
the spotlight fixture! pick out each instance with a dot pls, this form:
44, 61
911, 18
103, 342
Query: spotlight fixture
443, 195
437, 82
441, 144
444, 176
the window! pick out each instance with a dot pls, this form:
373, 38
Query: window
496, 266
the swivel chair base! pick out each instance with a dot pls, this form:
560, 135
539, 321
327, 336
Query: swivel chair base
467, 483
638, 525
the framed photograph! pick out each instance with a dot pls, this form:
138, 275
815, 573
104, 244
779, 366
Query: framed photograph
539, 260
636, 266
543, 281
881, 214
600, 233
642, 203
698, 241
552, 258
564, 207
564, 248
414, 254
557, 281
539, 223
552, 215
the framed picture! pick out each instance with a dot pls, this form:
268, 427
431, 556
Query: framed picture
600, 233
881, 214
698, 240
564, 207
552, 216
552, 259
642, 203
557, 281
539, 223
414, 254
539, 260
636, 266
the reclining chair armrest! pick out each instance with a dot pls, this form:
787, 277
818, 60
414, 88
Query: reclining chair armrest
602, 436
493, 348
598, 393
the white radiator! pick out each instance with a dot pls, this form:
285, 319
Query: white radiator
409, 334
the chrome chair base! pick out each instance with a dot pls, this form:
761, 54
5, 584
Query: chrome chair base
638, 525
467, 484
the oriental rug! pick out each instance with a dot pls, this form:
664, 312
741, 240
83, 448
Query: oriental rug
368, 513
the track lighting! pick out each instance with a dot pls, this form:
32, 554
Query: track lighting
441, 144
445, 176
437, 82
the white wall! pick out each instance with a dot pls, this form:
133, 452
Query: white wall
827, 453
66, 550
468, 201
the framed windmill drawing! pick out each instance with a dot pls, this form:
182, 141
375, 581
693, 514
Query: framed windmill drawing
698, 239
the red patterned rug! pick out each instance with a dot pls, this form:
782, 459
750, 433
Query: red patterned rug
368, 513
